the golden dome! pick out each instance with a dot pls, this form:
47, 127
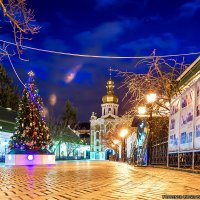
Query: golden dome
110, 82
110, 97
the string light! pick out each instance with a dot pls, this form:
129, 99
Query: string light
99, 56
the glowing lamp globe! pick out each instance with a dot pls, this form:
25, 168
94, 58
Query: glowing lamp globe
116, 141
30, 157
123, 133
141, 110
151, 97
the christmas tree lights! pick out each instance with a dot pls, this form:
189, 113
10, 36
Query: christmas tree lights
32, 134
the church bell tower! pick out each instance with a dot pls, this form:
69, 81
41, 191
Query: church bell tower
110, 101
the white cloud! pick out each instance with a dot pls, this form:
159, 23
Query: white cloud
105, 33
165, 42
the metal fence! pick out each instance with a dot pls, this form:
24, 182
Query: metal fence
159, 152
184, 160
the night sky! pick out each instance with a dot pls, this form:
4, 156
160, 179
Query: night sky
101, 27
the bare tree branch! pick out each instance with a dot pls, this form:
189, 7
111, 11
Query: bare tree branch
21, 20
159, 78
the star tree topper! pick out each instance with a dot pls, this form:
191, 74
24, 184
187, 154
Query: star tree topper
31, 73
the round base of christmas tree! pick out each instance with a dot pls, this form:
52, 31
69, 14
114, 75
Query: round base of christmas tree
19, 157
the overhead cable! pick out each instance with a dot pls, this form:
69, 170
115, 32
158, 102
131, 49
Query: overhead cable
99, 56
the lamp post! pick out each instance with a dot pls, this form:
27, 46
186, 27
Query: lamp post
123, 134
116, 146
141, 110
151, 98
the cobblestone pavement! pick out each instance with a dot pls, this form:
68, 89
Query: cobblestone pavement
95, 180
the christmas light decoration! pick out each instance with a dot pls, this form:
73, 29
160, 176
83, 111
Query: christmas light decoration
32, 134
30, 157
9, 157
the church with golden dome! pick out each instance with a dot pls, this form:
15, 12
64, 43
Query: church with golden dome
107, 121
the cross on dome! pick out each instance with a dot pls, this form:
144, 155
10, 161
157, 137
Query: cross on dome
110, 69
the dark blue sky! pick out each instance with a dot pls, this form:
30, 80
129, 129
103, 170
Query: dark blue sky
101, 27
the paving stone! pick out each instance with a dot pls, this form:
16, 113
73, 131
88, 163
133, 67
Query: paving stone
94, 180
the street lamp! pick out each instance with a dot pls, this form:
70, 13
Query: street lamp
116, 147
144, 112
151, 98
123, 134
141, 110
116, 142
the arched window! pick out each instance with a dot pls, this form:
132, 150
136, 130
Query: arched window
97, 135
109, 110
114, 112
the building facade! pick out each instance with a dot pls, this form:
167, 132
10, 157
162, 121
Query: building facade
75, 148
7, 128
184, 126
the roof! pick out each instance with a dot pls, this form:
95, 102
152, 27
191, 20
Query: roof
71, 134
110, 97
109, 116
7, 114
190, 73
7, 119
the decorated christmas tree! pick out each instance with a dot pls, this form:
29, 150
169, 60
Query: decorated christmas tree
32, 133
